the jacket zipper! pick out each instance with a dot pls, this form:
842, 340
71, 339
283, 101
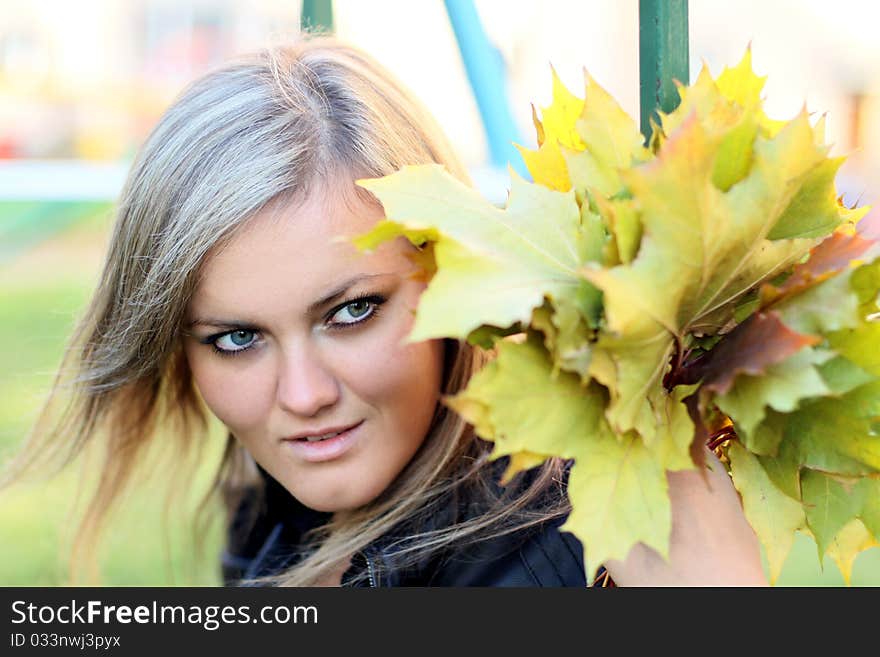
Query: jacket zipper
370, 571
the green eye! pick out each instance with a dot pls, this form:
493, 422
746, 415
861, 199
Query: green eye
358, 308
356, 311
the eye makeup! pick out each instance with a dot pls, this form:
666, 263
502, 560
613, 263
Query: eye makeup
215, 338
375, 300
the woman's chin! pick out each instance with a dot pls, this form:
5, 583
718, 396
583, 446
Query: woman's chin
337, 501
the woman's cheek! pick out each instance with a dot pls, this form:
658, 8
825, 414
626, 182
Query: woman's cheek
407, 380
239, 397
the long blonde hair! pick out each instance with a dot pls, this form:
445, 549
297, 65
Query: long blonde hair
263, 129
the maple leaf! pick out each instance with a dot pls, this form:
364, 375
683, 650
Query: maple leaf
830, 503
759, 342
531, 413
619, 497
843, 515
781, 387
520, 461
558, 121
780, 371
740, 83
644, 301
565, 338
722, 103
625, 230
842, 375
518, 402
830, 257
870, 511
773, 515
583, 143
607, 131
547, 165
513, 260
835, 434
702, 249
849, 542
858, 343
611, 142
673, 443
818, 297
822, 309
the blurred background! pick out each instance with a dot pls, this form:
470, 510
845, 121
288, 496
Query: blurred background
81, 85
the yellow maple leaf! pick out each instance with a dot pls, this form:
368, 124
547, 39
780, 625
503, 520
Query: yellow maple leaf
847, 544
558, 119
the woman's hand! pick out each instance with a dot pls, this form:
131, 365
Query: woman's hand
711, 544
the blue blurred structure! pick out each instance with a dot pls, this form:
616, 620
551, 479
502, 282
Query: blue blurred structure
487, 75
38, 199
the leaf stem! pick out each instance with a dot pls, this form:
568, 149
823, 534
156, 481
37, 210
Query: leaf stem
721, 436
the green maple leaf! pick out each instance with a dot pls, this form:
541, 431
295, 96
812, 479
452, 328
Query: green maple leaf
781, 387
619, 496
828, 307
842, 375
870, 511
773, 515
829, 504
736, 126
625, 230
673, 440
702, 249
832, 434
858, 343
813, 212
528, 407
565, 337
783, 468
493, 266
820, 297
836, 434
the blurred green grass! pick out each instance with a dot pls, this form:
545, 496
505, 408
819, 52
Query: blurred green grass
43, 289
45, 282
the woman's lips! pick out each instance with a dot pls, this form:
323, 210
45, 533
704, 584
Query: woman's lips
325, 450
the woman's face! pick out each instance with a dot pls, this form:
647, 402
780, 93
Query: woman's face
309, 336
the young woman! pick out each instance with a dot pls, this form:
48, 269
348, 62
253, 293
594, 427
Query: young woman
226, 289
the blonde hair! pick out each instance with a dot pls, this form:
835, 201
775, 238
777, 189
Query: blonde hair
264, 129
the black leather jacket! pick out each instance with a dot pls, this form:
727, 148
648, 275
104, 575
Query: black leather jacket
541, 556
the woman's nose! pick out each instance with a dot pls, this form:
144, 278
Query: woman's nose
306, 384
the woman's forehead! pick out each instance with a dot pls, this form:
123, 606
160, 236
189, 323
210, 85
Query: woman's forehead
337, 209
301, 248
320, 224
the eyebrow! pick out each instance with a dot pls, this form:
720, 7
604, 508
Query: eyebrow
340, 291
313, 307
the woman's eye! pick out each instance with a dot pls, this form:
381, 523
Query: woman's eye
355, 312
235, 340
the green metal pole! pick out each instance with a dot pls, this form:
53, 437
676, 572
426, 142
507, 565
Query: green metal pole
663, 56
317, 15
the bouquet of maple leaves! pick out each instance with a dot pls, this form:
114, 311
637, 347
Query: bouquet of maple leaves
706, 289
